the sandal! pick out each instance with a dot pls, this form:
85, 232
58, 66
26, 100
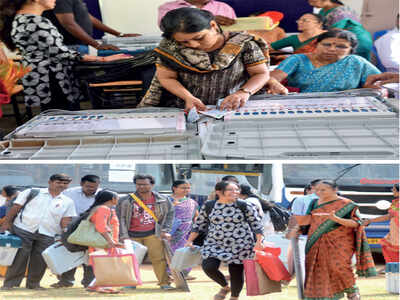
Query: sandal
222, 294
354, 296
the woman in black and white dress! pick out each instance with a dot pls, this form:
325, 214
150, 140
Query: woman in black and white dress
51, 83
230, 237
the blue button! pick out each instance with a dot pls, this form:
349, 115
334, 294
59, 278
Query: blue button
336, 110
282, 112
246, 113
300, 112
327, 111
364, 110
346, 110
374, 109
255, 113
237, 114
355, 110
264, 113
273, 112
309, 111
290, 112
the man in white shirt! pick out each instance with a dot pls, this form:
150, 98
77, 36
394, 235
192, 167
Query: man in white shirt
83, 197
388, 49
36, 223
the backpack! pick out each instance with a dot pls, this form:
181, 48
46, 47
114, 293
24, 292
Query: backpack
71, 227
279, 217
209, 205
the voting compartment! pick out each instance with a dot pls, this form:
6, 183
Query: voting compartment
60, 260
158, 134
347, 125
9, 245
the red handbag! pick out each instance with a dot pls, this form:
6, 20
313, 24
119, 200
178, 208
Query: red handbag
272, 266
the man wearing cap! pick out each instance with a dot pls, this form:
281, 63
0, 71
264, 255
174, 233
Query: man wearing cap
224, 14
36, 223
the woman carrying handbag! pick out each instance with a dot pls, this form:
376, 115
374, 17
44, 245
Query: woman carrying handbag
106, 222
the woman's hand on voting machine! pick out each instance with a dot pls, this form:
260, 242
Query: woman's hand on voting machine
276, 88
194, 102
235, 100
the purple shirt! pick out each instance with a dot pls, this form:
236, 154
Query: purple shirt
217, 8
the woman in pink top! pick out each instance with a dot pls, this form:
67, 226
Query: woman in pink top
224, 14
106, 222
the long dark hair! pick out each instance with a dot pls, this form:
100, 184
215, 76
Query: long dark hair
265, 204
10, 190
102, 197
8, 10
185, 19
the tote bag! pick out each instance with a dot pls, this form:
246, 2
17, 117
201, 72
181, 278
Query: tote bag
257, 282
115, 268
87, 235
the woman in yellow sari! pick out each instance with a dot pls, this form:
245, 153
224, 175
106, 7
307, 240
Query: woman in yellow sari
334, 236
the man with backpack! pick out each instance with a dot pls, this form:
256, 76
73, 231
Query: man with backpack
36, 217
146, 217
83, 197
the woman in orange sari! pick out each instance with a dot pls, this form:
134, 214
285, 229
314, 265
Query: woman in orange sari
106, 222
390, 243
335, 235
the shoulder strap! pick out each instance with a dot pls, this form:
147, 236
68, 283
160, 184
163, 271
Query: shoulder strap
32, 194
243, 207
209, 205
144, 206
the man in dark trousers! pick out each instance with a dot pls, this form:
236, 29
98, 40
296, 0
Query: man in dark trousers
75, 23
43, 217
146, 217
83, 197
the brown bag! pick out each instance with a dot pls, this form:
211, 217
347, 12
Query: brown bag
115, 269
257, 282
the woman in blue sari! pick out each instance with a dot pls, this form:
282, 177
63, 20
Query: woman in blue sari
329, 68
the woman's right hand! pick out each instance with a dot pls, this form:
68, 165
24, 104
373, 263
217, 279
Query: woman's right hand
194, 102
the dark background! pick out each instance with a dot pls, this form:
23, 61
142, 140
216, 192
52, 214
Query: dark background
292, 9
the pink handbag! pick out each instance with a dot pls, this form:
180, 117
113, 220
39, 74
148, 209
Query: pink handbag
116, 268
257, 282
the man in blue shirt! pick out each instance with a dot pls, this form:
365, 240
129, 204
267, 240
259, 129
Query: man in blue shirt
300, 204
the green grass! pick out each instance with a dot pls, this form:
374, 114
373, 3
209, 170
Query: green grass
201, 289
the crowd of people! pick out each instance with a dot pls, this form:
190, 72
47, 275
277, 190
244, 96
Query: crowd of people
198, 62
234, 219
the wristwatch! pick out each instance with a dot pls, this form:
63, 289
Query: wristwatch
246, 91
121, 34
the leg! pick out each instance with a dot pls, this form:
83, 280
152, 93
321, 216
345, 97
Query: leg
211, 268
16, 272
37, 265
237, 279
66, 279
88, 275
155, 250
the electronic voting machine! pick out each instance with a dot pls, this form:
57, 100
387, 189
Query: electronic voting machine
346, 125
104, 134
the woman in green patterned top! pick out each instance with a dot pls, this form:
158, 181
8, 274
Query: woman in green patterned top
310, 27
338, 15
